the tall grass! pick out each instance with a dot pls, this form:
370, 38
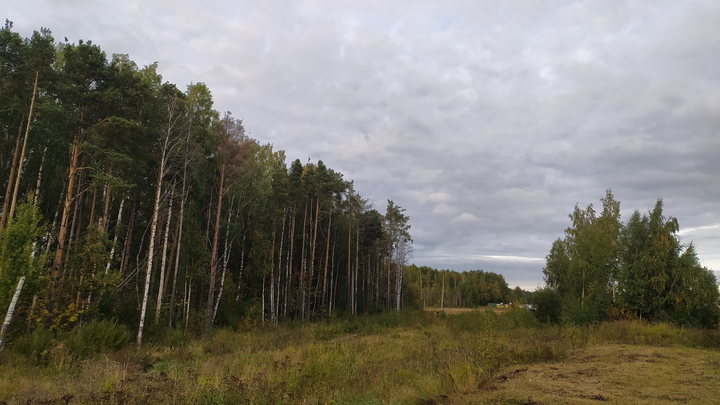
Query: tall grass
406, 357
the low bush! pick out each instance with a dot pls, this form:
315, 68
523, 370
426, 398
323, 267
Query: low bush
96, 337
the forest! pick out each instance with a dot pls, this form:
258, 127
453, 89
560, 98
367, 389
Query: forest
128, 199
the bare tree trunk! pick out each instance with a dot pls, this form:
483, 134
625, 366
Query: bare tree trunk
399, 277
213, 254
327, 260
242, 266
357, 269
349, 268
117, 235
124, 260
106, 206
11, 310
151, 247
280, 266
163, 261
24, 148
289, 272
226, 258
272, 278
181, 217
442, 295
11, 178
313, 244
39, 176
186, 304
57, 266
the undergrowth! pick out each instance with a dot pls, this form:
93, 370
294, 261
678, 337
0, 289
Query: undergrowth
406, 357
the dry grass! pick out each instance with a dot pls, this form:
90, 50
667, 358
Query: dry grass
410, 358
455, 311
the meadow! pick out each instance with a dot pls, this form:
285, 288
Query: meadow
410, 357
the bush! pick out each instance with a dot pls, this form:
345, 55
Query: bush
548, 305
97, 337
35, 347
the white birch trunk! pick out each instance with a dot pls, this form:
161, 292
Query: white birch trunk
151, 249
163, 261
11, 310
116, 237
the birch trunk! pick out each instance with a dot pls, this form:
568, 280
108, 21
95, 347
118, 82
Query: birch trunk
163, 261
226, 257
178, 244
327, 260
39, 177
11, 310
116, 237
151, 247
213, 254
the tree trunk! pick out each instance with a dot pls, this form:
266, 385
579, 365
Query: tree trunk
289, 272
327, 260
39, 176
226, 258
178, 244
11, 310
313, 244
163, 261
303, 266
124, 260
57, 266
11, 178
24, 148
151, 247
213, 254
117, 235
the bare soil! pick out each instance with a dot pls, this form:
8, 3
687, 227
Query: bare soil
618, 374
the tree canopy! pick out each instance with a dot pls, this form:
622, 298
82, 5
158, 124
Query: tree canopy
606, 269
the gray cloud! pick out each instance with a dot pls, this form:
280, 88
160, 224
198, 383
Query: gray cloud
486, 120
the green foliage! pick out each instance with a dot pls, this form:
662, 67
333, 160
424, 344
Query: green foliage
547, 305
606, 270
96, 337
19, 255
35, 347
469, 289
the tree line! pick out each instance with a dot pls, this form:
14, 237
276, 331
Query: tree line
127, 198
429, 287
606, 269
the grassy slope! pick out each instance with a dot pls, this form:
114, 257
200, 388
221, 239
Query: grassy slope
413, 357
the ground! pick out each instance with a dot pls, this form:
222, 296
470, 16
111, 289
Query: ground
620, 374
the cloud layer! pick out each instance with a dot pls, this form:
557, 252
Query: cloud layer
486, 120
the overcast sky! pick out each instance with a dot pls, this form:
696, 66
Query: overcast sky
487, 120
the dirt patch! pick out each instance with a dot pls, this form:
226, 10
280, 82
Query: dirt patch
619, 374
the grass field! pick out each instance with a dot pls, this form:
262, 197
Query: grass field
473, 357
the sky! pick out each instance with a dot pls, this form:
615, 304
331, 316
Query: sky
488, 121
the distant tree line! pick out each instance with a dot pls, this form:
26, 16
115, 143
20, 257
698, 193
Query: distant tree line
429, 287
605, 269
126, 198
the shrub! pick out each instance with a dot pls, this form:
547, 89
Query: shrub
96, 337
548, 305
35, 347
